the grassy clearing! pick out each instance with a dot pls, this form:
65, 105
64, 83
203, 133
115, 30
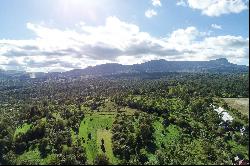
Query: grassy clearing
128, 111
240, 104
33, 157
108, 107
97, 126
105, 135
88, 132
22, 129
30, 157
111, 108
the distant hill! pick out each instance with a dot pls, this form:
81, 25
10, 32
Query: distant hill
219, 65
12, 74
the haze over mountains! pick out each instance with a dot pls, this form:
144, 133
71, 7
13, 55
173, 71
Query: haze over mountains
218, 65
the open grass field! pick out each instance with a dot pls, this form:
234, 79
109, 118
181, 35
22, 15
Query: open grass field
241, 104
92, 130
95, 131
106, 136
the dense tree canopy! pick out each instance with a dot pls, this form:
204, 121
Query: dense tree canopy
158, 118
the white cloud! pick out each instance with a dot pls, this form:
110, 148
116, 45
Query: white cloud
184, 36
216, 7
56, 49
215, 26
150, 13
181, 3
235, 48
156, 2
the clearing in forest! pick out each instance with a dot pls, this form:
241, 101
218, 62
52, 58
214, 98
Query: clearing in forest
240, 104
104, 143
90, 131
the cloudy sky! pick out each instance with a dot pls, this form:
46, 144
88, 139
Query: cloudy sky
59, 35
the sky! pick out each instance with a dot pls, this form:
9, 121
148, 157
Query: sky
61, 35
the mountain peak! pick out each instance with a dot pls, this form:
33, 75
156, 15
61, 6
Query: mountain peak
221, 60
156, 61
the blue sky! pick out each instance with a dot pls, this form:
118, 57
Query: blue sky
149, 29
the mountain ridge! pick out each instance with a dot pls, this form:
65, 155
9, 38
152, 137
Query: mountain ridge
217, 65
161, 65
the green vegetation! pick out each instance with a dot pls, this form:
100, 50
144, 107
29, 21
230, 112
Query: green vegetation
91, 130
22, 130
105, 137
166, 119
33, 157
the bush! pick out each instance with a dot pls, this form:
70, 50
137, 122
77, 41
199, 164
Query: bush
101, 159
